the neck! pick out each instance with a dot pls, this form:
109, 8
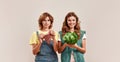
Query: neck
45, 29
71, 29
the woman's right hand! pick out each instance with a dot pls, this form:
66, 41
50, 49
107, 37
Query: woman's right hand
70, 45
65, 44
41, 36
73, 45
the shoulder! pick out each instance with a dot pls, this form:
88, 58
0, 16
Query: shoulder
60, 32
83, 31
55, 31
35, 32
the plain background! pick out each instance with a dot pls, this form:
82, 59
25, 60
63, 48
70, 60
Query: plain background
100, 18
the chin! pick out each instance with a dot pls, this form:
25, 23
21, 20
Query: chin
72, 26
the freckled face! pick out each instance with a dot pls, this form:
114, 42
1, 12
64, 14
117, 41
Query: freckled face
71, 21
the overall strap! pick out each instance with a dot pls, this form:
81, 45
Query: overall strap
37, 34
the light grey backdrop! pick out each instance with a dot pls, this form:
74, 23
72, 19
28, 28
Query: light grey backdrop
100, 18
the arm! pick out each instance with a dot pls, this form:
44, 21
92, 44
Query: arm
61, 47
83, 48
55, 45
80, 49
36, 47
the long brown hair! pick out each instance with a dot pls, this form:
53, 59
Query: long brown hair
42, 18
65, 27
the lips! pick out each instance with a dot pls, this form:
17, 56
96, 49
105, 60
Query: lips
46, 24
71, 24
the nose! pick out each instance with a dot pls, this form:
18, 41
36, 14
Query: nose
71, 21
46, 21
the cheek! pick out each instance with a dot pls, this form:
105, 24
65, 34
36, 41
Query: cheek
75, 23
43, 23
68, 22
49, 22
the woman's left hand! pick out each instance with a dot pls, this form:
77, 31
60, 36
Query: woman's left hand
52, 33
73, 45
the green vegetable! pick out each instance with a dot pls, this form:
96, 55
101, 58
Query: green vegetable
70, 38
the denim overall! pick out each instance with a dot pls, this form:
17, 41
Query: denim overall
47, 53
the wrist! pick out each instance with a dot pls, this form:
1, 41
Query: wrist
77, 47
41, 37
65, 44
54, 39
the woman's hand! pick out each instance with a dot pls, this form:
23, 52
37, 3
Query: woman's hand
52, 33
55, 43
73, 45
68, 45
81, 49
41, 36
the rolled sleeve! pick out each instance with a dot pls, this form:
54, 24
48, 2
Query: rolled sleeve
33, 39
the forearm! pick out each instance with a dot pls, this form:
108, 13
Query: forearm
55, 45
82, 50
61, 47
36, 48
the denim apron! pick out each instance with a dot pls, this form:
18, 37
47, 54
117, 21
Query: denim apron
66, 54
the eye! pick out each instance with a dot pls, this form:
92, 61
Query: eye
48, 20
73, 20
69, 20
